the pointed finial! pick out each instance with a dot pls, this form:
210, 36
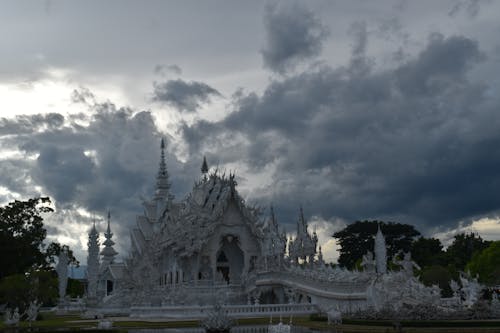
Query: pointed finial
204, 166
162, 183
302, 219
108, 230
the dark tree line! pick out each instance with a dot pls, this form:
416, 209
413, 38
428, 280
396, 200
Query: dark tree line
358, 238
467, 252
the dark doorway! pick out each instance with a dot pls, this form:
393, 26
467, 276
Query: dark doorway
223, 266
109, 287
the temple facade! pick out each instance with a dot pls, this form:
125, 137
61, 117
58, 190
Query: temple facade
212, 246
210, 239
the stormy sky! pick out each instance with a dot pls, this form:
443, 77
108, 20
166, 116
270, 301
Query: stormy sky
351, 109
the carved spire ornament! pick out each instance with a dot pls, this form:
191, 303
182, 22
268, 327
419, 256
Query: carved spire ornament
162, 183
108, 253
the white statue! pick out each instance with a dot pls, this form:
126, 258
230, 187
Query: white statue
62, 273
456, 289
104, 324
470, 290
368, 263
32, 311
12, 318
407, 264
334, 317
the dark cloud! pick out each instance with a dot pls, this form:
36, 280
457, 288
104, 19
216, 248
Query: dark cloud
163, 70
293, 34
417, 143
185, 96
110, 163
30, 123
469, 7
15, 176
83, 95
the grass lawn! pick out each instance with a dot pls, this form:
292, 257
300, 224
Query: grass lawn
72, 322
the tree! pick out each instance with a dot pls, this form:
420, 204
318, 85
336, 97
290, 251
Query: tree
18, 290
22, 235
25, 261
464, 246
487, 264
442, 276
54, 249
358, 238
22, 238
427, 252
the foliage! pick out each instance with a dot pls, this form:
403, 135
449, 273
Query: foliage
75, 288
19, 289
54, 249
358, 238
22, 235
26, 273
463, 248
438, 275
427, 252
487, 264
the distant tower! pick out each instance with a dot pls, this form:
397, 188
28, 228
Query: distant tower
108, 253
204, 168
321, 261
380, 252
162, 183
93, 262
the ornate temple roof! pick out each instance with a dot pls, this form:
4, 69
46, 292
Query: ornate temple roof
185, 226
187, 231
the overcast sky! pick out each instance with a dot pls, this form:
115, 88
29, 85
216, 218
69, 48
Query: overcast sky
353, 109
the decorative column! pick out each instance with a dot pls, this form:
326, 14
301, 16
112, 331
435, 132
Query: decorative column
62, 275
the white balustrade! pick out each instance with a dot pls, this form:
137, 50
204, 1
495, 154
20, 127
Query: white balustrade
234, 311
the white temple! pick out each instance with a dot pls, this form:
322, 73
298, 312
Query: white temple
212, 246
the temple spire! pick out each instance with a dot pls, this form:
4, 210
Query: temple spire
204, 168
380, 252
92, 262
273, 217
108, 253
162, 184
301, 224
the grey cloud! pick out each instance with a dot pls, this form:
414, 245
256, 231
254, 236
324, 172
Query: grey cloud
293, 34
469, 7
83, 95
15, 176
163, 70
108, 164
30, 123
412, 143
440, 66
185, 96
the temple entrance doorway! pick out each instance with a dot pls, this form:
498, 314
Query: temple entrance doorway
230, 259
109, 287
223, 266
